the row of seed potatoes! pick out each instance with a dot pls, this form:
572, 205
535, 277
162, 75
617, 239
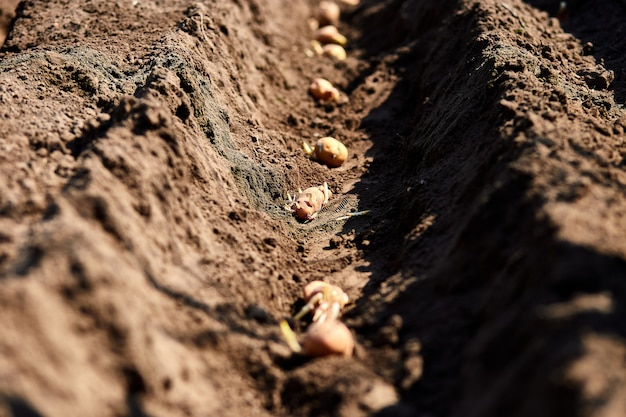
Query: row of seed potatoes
326, 335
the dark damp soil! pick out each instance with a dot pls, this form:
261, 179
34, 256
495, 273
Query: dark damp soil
147, 149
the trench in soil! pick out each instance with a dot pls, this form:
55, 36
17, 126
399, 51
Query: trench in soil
411, 332
424, 210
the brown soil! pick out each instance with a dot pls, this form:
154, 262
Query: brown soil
147, 148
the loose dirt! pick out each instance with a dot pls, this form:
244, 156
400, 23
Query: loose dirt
147, 149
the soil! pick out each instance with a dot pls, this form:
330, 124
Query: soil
147, 151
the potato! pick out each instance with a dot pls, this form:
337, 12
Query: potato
327, 13
309, 202
330, 151
330, 34
323, 90
334, 51
328, 338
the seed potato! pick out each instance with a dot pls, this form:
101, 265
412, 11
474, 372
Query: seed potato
334, 51
330, 34
310, 201
328, 13
323, 90
328, 338
330, 151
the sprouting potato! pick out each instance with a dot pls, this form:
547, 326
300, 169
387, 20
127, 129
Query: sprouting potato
330, 34
306, 204
327, 150
327, 13
324, 300
326, 335
334, 51
323, 90
330, 337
